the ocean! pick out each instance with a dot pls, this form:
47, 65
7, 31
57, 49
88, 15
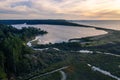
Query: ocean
110, 24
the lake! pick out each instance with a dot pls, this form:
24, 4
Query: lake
58, 33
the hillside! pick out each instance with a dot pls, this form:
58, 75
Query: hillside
20, 62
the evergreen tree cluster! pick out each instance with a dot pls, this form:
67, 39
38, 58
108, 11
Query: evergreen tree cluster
12, 49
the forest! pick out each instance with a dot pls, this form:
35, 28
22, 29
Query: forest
13, 48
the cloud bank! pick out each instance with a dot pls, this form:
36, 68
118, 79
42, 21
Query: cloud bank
59, 9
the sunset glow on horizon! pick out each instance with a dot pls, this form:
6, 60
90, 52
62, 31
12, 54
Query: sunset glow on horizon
60, 9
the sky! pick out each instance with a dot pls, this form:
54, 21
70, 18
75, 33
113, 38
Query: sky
60, 9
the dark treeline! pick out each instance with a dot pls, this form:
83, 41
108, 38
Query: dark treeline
33, 22
12, 50
22, 33
83, 44
67, 46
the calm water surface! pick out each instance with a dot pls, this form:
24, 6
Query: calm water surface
63, 33
110, 24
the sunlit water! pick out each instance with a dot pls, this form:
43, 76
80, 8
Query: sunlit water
110, 24
58, 34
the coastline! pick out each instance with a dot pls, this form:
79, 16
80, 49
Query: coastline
85, 26
111, 34
96, 42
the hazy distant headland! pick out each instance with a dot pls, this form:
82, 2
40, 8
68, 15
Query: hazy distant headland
48, 22
34, 22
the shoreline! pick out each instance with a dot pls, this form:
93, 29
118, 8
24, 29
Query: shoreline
85, 26
109, 31
94, 42
112, 36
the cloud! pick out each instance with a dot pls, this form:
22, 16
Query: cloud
63, 9
22, 3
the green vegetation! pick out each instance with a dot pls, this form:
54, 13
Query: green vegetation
84, 72
105, 43
54, 76
13, 48
20, 62
67, 46
78, 68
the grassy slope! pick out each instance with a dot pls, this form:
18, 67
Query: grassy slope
78, 68
54, 76
111, 36
78, 62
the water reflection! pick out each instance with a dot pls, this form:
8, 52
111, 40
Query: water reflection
64, 33
57, 33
